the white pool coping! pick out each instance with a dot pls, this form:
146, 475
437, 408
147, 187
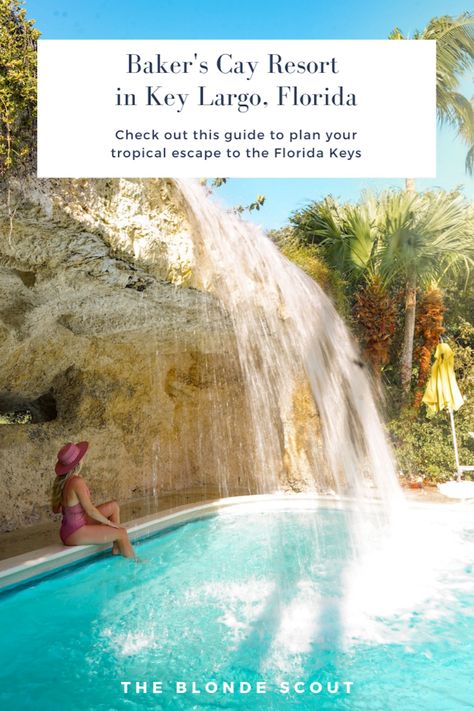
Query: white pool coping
26, 567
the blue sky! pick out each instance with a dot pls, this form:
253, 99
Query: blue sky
308, 19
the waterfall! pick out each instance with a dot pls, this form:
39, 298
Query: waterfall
289, 338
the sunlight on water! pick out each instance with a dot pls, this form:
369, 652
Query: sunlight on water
272, 595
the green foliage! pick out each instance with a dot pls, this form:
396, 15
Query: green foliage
385, 236
18, 38
459, 302
256, 205
390, 234
428, 233
346, 233
454, 58
403, 239
309, 259
424, 446
15, 418
214, 182
217, 182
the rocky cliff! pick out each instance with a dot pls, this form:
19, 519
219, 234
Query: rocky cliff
102, 338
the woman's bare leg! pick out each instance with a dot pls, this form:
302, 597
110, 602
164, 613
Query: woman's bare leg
111, 510
100, 533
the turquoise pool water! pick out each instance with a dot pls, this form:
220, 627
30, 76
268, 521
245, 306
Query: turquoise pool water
263, 597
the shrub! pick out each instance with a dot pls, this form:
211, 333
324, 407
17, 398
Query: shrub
424, 446
308, 258
18, 38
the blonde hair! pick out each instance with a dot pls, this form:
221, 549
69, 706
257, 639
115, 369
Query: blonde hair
60, 483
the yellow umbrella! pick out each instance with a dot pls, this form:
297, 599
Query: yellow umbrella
442, 391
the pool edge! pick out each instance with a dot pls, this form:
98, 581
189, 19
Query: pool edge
28, 566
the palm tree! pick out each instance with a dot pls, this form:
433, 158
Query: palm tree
349, 237
346, 233
428, 237
417, 238
375, 310
454, 57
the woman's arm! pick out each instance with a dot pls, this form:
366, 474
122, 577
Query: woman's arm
82, 493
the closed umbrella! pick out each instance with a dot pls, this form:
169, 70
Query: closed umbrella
442, 392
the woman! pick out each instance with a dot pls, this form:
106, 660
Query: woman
82, 522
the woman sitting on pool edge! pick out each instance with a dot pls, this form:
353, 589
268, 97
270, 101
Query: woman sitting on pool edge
82, 522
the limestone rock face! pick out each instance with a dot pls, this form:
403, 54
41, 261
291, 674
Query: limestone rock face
103, 339
139, 220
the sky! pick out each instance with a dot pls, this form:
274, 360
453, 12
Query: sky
299, 19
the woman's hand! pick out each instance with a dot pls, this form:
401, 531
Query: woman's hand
82, 493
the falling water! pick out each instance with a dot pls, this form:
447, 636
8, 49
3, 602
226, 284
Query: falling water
388, 560
288, 336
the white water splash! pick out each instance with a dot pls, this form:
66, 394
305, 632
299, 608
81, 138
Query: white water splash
288, 333
129, 643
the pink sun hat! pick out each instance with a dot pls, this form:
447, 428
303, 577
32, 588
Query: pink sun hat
69, 456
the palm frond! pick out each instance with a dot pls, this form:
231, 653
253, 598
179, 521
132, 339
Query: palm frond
454, 58
431, 234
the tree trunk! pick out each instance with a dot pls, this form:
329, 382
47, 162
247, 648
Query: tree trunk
410, 313
375, 314
408, 338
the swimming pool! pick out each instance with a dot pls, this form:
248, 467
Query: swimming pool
270, 597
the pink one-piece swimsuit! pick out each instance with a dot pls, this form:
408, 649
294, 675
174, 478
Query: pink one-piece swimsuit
74, 517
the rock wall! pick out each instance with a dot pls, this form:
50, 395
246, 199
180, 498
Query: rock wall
97, 322
105, 337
